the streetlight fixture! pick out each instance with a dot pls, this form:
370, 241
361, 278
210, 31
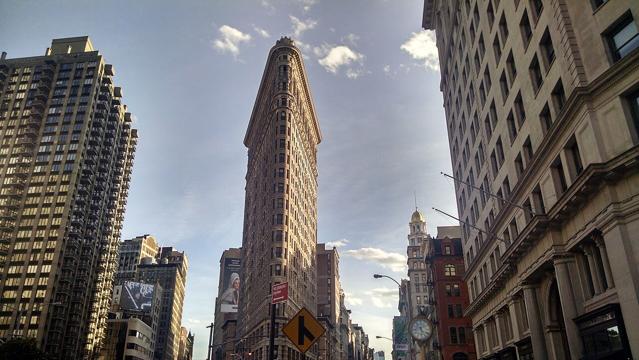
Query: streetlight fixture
379, 276
383, 337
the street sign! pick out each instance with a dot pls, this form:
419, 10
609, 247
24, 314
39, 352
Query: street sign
279, 293
303, 330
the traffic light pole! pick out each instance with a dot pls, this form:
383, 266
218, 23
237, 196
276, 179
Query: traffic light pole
271, 342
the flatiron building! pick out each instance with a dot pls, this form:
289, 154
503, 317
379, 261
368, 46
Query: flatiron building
280, 214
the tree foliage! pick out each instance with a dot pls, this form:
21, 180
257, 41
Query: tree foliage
21, 349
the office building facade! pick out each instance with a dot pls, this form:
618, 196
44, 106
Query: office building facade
131, 253
67, 149
329, 291
225, 313
169, 271
541, 100
280, 211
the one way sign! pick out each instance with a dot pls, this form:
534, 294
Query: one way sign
303, 330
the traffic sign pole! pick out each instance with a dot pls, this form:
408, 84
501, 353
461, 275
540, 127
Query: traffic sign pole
271, 342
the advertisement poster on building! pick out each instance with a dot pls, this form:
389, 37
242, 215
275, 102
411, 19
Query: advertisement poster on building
137, 296
400, 335
230, 297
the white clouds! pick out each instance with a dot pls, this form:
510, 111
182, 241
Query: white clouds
306, 4
337, 243
352, 300
422, 46
393, 261
261, 32
230, 39
351, 39
300, 26
339, 56
383, 297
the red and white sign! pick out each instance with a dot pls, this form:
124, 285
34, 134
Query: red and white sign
280, 293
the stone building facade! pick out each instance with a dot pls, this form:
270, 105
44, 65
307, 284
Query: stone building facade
541, 100
68, 148
280, 212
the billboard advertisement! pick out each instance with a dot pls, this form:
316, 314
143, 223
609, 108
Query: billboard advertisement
400, 335
230, 285
137, 296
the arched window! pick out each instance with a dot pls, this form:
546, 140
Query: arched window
449, 270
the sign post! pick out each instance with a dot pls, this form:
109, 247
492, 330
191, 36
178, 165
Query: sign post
303, 330
279, 293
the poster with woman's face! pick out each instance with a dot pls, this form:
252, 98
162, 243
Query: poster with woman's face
231, 286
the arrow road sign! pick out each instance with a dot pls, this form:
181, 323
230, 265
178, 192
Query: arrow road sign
303, 330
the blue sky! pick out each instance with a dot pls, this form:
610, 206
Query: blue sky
190, 73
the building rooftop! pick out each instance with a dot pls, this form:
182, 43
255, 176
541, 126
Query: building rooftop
71, 45
451, 232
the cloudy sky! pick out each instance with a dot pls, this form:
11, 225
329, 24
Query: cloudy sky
190, 74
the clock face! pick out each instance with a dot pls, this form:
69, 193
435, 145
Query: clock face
421, 329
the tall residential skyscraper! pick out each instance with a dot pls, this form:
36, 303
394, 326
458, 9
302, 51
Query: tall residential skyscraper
170, 273
280, 210
66, 156
542, 110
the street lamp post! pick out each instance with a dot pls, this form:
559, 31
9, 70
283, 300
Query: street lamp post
379, 276
383, 337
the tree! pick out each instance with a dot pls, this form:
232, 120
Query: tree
21, 349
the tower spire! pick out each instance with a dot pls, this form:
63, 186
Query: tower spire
415, 196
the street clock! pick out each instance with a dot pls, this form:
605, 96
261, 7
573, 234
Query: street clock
421, 329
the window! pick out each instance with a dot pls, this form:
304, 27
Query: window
449, 270
503, 29
633, 101
545, 119
526, 30
623, 37
447, 250
537, 8
503, 84
487, 80
536, 76
453, 335
491, 15
512, 127
461, 333
597, 3
520, 111
573, 157
547, 50
519, 166
497, 49
557, 171
558, 97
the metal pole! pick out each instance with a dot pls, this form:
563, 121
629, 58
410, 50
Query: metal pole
271, 341
471, 225
209, 349
489, 193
